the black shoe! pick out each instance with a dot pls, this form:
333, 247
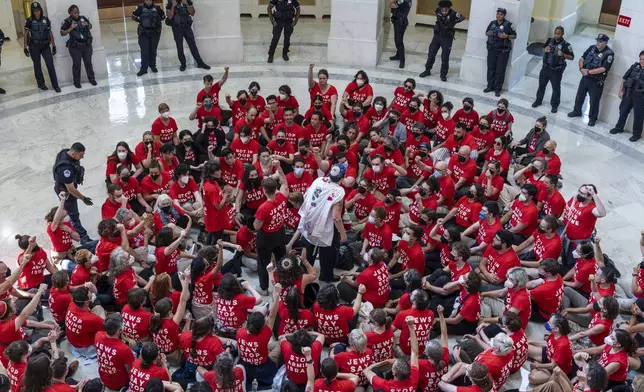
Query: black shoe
402, 64
536, 104
77, 85
634, 138
497, 93
488, 89
554, 109
285, 57
182, 67
591, 123
141, 73
93, 82
2, 91
574, 114
57, 89
444, 78
270, 58
154, 69
43, 87
425, 73
394, 58
203, 65
615, 131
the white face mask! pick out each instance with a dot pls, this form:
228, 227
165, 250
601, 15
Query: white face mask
461, 280
366, 257
165, 114
185, 179
372, 220
405, 237
609, 341
122, 155
376, 168
378, 108
522, 198
283, 97
244, 139
360, 82
508, 284
445, 116
298, 171
575, 254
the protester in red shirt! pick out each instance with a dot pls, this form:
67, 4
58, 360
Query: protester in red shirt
359, 90
501, 118
615, 359
206, 109
409, 254
605, 310
317, 105
233, 305
394, 207
81, 323
332, 380
467, 115
485, 229
376, 233
136, 319
356, 116
423, 316
498, 153
157, 182
550, 201
375, 279
585, 266
226, 376
523, 216
491, 180
553, 160
60, 231
516, 296
152, 364
377, 111
547, 243
467, 209
59, 297
354, 358
382, 175
446, 185
148, 149
286, 99
199, 345
114, 201
212, 89
240, 106
458, 139
462, 169
581, 216
164, 128
478, 375
17, 354
556, 348
59, 373
33, 274
331, 318
547, 292
164, 324
122, 156
115, 358
403, 94
497, 260
411, 115
292, 348
483, 136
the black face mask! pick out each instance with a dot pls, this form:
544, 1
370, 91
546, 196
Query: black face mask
281, 141
318, 107
389, 200
542, 231
342, 148
154, 176
537, 129
148, 143
467, 107
497, 246
210, 129
125, 178
388, 149
500, 111
422, 192
187, 143
422, 154
392, 120
462, 159
255, 181
242, 101
362, 190
451, 257
483, 126
545, 151
166, 209
413, 109
417, 134
596, 307
470, 194
581, 199
534, 170
303, 152
444, 240
423, 222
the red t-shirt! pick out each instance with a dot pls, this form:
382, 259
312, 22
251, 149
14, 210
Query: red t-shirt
10, 333
81, 275
290, 102
583, 270
238, 375
296, 363
497, 183
253, 349
114, 162
382, 344
423, 324
498, 366
284, 150
560, 351
353, 362
411, 257
373, 116
444, 128
316, 137
166, 263
244, 152
393, 214
207, 349
621, 358
401, 98
231, 175
246, 239
140, 377
59, 387
130, 189
253, 198
109, 208
554, 163
467, 212
362, 207
255, 127
447, 190
546, 248
410, 119
460, 170
212, 93
470, 119
430, 202
470, 307
382, 181
552, 204
149, 186
15, 372
123, 283
520, 350
579, 220
34, 273
168, 336
204, 286
396, 156
487, 231
202, 113
336, 385
272, 213
232, 313
526, 214
377, 237
326, 97
61, 241
238, 110
141, 152
293, 133
376, 280
278, 118
500, 122
81, 325
519, 300
59, 301
499, 263
136, 323
305, 320
455, 273
597, 319
503, 157
357, 93
429, 376
165, 132
483, 140
113, 356
333, 323
301, 184
548, 296
183, 194
407, 385
213, 217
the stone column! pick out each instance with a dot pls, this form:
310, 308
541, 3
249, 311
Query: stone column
218, 31
474, 67
56, 10
626, 43
356, 34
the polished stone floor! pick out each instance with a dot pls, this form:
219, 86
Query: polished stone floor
35, 125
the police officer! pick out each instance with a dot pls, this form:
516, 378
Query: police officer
594, 66
446, 20
180, 17
500, 33
399, 13
284, 15
631, 91
2, 91
556, 51
38, 39
80, 44
68, 174
149, 17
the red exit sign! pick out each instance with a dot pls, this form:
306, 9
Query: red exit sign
623, 20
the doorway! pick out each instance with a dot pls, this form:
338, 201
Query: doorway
609, 12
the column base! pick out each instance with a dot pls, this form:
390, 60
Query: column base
221, 49
348, 51
63, 64
476, 70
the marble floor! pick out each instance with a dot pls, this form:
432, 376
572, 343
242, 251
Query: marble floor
35, 125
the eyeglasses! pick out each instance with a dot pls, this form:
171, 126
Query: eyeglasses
408, 87
498, 143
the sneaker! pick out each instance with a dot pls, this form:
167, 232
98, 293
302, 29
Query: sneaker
488, 89
77, 85
591, 123
425, 73
182, 67
203, 65
536, 104
634, 138
93, 82
615, 131
270, 58
263, 293
57, 89
141, 73
43, 87
154, 69
2, 91
574, 114
285, 57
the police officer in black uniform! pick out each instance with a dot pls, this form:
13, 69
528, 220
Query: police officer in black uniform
80, 44
556, 51
38, 38
399, 13
500, 33
180, 17
2, 91
284, 15
149, 17
594, 66
446, 20
68, 174
631, 91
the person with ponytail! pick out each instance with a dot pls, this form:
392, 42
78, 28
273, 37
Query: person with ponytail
380, 337
151, 364
37, 374
293, 315
164, 324
200, 346
437, 354
354, 358
477, 374
34, 273
255, 356
226, 377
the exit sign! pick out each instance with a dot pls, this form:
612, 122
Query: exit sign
623, 20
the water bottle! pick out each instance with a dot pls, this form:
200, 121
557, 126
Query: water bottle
254, 385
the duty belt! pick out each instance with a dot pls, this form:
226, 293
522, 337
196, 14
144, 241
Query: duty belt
39, 42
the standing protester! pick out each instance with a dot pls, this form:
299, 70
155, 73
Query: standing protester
80, 44
37, 42
180, 18
68, 175
2, 91
446, 20
556, 51
594, 65
284, 15
399, 12
500, 33
631, 91
149, 17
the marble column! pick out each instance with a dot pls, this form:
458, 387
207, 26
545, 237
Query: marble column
626, 43
356, 34
218, 31
56, 10
474, 61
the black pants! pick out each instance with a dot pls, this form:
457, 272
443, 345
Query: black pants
347, 292
83, 53
44, 51
553, 76
400, 26
269, 244
497, 63
594, 87
287, 26
185, 32
148, 42
71, 206
328, 256
634, 101
137, 207
444, 43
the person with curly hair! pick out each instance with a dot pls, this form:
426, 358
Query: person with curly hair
125, 279
293, 346
293, 271
226, 376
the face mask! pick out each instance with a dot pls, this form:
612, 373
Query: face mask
376, 168
596, 307
461, 280
483, 126
281, 141
522, 198
444, 240
496, 246
362, 190
470, 194
298, 171
207, 106
422, 154
166, 209
254, 93
125, 178
165, 114
422, 192
537, 129
244, 139
451, 257
378, 108
303, 152
437, 174
581, 199
357, 114
462, 159
154, 176
534, 170
372, 220
413, 109
283, 97
242, 101
541, 230
265, 160
545, 151
548, 327
445, 116
508, 284
342, 148
392, 120
187, 143
405, 237
422, 221
501, 111
360, 82
185, 179
317, 107
482, 215
148, 143
122, 155
467, 107
389, 200
576, 254
609, 341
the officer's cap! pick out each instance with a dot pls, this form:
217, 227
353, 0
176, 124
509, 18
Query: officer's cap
36, 6
602, 37
502, 10
445, 4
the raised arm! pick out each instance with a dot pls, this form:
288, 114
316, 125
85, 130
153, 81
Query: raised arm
414, 340
183, 300
30, 308
356, 306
